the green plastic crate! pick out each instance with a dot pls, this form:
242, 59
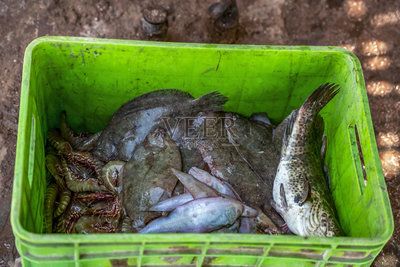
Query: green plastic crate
91, 78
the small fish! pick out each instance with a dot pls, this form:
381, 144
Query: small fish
147, 177
131, 124
172, 203
199, 189
300, 193
213, 182
198, 216
196, 188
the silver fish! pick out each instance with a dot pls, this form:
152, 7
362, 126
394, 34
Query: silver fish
196, 188
300, 192
172, 203
201, 190
212, 181
197, 216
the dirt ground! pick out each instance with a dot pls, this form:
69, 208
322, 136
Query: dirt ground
370, 28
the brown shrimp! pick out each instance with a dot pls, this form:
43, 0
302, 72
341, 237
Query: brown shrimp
90, 198
53, 165
86, 159
76, 184
59, 143
106, 209
67, 222
96, 224
63, 203
64, 148
49, 200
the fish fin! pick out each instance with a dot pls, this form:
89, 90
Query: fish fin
213, 101
320, 97
301, 197
132, 104
289, 128
283, 197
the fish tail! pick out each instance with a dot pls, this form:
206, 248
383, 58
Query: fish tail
213, 101
320, 97
308, 112
306, 115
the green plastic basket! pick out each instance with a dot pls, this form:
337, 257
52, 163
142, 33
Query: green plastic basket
91, 78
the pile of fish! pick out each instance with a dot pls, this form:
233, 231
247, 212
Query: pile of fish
169, 162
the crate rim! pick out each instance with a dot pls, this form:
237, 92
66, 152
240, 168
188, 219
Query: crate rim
36, 239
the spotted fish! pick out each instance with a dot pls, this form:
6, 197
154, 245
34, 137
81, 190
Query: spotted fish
300, 192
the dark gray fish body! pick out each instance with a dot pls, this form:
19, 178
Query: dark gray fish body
300, 192
185, 133
197, 216
225, 163
147, 178
254, 143
131, 124
191, 158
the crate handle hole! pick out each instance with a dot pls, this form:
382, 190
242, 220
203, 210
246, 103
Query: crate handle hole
358, 156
